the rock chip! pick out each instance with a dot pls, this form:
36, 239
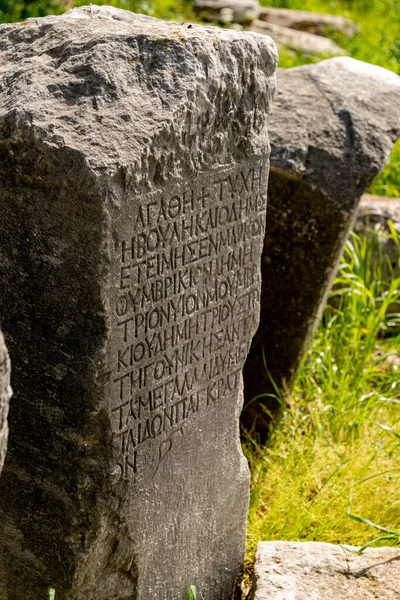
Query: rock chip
332, 127
320, 571
301, 41
304, 20
5, 395
133, 167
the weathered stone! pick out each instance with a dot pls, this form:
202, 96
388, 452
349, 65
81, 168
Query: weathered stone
320, 571
332, 127
133, 166
227, 11
5, 395
301, 41
304, 20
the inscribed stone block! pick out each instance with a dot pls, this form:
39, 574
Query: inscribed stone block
133, 164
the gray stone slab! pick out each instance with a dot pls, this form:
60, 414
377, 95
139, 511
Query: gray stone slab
5, 395
317, 23
133, 165
332, 127
307, 43
320, 571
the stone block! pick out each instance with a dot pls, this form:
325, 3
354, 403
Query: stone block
227, 11
133, 167
311, 22
372, 221
320, 571
332, 127
307, 43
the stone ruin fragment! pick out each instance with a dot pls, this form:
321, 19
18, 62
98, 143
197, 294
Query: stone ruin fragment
133, 166
332, 127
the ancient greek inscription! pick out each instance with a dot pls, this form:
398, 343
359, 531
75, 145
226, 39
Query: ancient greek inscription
186, 301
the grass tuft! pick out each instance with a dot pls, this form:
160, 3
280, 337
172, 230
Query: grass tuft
390, 536
388, 182
339, 436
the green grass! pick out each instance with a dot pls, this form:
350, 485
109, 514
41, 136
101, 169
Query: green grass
164, 9
378, 40
388, 182
339, 439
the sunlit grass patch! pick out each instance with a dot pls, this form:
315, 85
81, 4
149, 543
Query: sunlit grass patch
388, 182
339, 438
378, 40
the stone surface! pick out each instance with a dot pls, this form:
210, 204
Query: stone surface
5, 395
133, 166
301, 41
311, 22
332, 127
227, 11
320, 571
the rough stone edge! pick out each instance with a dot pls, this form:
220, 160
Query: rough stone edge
5, 396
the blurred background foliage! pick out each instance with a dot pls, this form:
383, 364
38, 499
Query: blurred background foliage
378, 41
11, 10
